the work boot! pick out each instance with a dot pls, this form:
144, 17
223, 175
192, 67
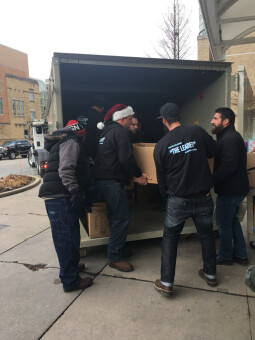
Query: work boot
210, 282
167, 291
122, 266
242, 262
220, 261
83, 284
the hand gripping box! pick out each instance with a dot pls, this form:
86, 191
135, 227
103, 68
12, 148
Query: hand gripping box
98, 224
143, 153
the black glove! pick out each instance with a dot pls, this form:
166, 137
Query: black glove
77, 201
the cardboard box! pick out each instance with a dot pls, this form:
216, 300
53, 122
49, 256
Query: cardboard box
251, 173
97, 221
143, 153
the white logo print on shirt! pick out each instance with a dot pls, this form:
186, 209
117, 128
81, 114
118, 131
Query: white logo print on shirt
101, 140
179, 147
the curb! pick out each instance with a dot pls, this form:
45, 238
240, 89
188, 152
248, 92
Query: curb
26, 187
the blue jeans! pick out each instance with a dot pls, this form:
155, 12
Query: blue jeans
66, 237
115, 197
230, 229
178, 211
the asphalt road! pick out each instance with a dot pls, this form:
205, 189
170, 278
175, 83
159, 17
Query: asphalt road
18, 166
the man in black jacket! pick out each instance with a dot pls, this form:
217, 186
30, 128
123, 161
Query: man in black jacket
115, 166
63, 190
231, 184
185, 180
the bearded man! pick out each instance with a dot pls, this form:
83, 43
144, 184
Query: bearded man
231, 184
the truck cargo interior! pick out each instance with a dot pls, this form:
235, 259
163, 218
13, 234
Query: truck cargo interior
145, 84
198, 87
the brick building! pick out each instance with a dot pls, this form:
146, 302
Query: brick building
238, 55
19, 95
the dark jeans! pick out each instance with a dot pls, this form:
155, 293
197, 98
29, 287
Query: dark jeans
230, 228
178, 211
118, 215
66, 237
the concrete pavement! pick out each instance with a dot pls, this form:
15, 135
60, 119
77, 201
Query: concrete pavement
118, 305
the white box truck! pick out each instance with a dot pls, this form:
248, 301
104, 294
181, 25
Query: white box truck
198, 87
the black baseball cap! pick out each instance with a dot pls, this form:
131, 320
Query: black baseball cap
169, 110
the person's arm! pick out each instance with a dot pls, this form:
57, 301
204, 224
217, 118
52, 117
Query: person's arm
161, 174
228, 162
68, 157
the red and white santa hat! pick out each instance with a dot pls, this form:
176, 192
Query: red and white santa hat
115, 113
76, 127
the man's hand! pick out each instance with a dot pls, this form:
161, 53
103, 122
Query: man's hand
77, 201
143, 180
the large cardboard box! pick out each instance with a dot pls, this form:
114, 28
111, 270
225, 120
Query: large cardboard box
97, 221
251, 173
143, 153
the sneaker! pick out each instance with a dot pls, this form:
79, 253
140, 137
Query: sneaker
122, 266
83, 284
242, 262
81, 267
220, 261
210, 282
168, 291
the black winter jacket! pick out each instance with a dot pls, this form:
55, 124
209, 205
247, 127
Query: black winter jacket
115, 158
181, 162
66, 171
230, 176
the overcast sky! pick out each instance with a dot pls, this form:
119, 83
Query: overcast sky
108, 27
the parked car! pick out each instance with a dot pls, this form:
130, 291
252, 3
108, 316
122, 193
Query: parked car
14, 148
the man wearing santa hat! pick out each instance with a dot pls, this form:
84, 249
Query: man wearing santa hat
115, 166
63, 190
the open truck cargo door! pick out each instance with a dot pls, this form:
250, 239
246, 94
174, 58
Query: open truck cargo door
198, 87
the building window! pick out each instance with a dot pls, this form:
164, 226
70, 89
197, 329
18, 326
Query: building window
32, 115
22, 108
14, 107
18, 107
1, 107
0, 87
31, 96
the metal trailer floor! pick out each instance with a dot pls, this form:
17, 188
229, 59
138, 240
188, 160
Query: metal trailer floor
144, 224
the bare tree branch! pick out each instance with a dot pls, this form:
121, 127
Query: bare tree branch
176, 32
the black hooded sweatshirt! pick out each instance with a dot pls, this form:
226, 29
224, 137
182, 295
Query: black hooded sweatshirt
115, 159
